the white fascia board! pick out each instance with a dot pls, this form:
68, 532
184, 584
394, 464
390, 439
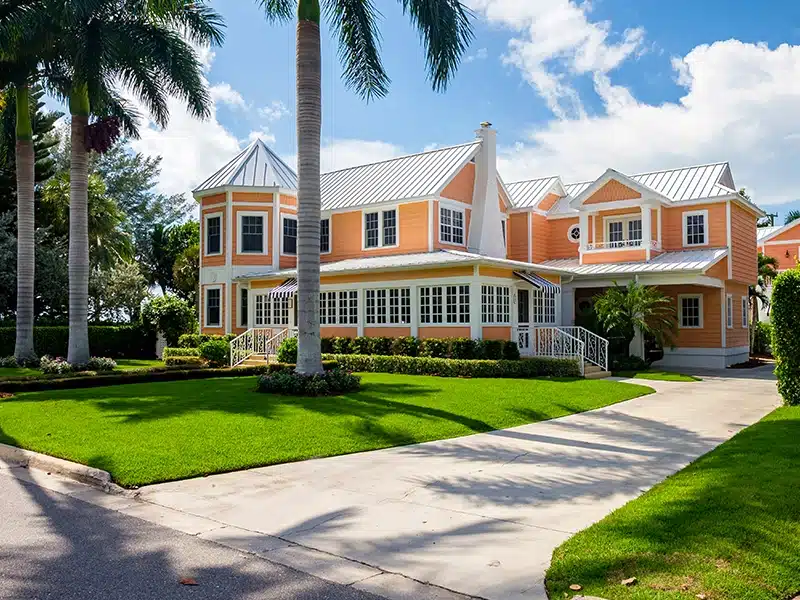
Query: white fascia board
610, 174
458, 169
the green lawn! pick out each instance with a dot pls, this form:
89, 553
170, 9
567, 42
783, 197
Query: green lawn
145, 433
123, 364
727, 526
657, 375
18, 372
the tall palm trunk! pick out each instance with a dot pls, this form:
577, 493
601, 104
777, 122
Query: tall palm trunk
25, 159
309, 123
78, 352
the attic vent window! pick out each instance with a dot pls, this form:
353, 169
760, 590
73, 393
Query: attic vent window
574, 234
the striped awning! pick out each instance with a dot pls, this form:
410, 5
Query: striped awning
539, 282
285, 290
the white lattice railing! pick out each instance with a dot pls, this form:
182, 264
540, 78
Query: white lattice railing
595, 347
554, 342
624, 245
258, 341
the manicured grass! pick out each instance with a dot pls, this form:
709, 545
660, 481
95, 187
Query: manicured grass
727, 526
657, 375
144, 433
18, 372
123, 364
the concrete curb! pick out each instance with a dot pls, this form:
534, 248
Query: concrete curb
12, 457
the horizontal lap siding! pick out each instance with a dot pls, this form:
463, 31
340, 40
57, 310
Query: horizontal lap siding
210, 200
258, 197
444, 332
392, 332
548, 201
737, 336
672, 222
744, 258
331, 332
518, 236
719, 270
780, 251
558, 243
235, 303
462, 186
614, 256
710, 335
540, 238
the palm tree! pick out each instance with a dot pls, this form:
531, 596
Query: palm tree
767, 271
624, 310
145, 45
445, 29
791, 216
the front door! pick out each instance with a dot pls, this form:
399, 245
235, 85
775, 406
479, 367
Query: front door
524, 322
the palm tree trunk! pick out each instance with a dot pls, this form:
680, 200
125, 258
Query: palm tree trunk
25, 159
309, 123
78, 352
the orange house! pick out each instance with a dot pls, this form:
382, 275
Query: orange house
436, 245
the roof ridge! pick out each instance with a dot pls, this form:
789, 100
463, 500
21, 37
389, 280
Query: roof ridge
534, 179
711, 164
377, 162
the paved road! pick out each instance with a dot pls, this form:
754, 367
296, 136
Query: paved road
56, 547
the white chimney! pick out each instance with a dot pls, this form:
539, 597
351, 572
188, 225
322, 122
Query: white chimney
485, 228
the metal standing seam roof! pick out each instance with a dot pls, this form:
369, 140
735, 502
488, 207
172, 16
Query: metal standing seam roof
765, 232
255, 166
526, 194
668, 262
412, 176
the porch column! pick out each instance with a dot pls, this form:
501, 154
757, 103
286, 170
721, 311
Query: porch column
414, 311
475, 328
647, 226
583, 220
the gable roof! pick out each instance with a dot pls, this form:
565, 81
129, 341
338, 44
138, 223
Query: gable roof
613, 175
411, 176
690, 183
764, 233
255, 166
528, 194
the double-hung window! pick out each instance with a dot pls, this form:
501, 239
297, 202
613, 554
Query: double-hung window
388, 306
729, 310
380, 228
251, 234
213, 307
744, 312
690, 311
622, 233
325, 236
213, 235
338, 308
695, 228
495, 305
289, 238
444, 304
451, 225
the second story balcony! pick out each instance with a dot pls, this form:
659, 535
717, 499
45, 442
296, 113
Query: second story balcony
635, 244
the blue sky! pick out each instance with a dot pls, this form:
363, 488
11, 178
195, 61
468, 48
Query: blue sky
572, 89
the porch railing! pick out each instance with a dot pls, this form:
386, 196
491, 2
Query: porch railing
624, 245
554, 342
595, 347
258, 341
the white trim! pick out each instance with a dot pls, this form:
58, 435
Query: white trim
706, 225
277, 233
723, 313
226, 300
780, 243
289, 207
206, 217
681, 297
380, 212
206, 324
729, 238
430, 226
729, 311
264, 232
293, 218
569, 232
703, 358
460, 204
645, 192
453, 210
745, 312
212, 206
658, 224
530, 237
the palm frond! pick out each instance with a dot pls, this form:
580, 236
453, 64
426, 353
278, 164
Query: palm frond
356, 23
445, 27
279, 11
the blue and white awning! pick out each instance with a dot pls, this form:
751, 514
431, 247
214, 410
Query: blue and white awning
285, 290
539, 282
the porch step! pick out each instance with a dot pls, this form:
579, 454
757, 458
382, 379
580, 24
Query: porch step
591, 371
255, 360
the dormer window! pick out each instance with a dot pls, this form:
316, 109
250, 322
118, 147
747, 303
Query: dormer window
695, 228
624, 232
380, 229
451, 225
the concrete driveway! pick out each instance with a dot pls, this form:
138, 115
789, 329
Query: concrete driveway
479, 515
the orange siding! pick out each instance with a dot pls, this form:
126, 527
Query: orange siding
215, 199
463, 185
548, 201
654, 224
518, 236
252, 197
252, 259
710, 335
540, 238
331, 331
423, 228
287, 200
614, 256
719, 270
222, 302
466, 271
393, 332
672, 221
496, 333
444, 332
217, 260
558, 244
790, 235
496, 272
611, 192
744, 257
737, 335
786, 254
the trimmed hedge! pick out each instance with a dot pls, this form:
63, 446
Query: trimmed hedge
448, 367
332, 382
786, 334
216, 352
195, 340
170, 352
181, 361
458, 348
762, 338
112, 341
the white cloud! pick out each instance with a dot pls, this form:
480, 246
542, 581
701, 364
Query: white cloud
481, 54
223, 92
263, 134
274, 111
740, 104
344, 153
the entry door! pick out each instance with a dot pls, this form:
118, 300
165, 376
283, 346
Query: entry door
524, 322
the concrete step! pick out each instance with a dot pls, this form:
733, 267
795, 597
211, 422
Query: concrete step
596, 374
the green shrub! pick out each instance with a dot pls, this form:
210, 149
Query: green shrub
101, 363
786, 334
216, 352
8, 362
510, 351
115, 341
169, 352
342, 345
180, 361
434, 348
287, 352
59, 366
444, 367
278, 366
463, 349
169, 315
361, 345
381, 345
326, 345
492, 349
194, 340
762, 338
405, 346
628, 363
333, 382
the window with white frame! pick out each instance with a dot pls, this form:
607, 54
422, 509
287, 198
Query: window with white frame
729, 310
289, 238
495, 305
444, 304
744, 312
690, 311
325, 236
213, 307
695, 228
624, 232
544, 307
451, 225
380, 229
338, 308
213, 235
251, 234
271, 310
574, 233
388, 306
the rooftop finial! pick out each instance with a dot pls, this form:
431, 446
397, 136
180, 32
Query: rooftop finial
486, 124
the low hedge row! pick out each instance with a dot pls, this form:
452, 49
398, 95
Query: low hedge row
195, 340
112, 341
448, 367
170, 352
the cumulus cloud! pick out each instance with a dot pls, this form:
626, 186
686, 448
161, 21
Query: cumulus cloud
274, 111
224, 93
